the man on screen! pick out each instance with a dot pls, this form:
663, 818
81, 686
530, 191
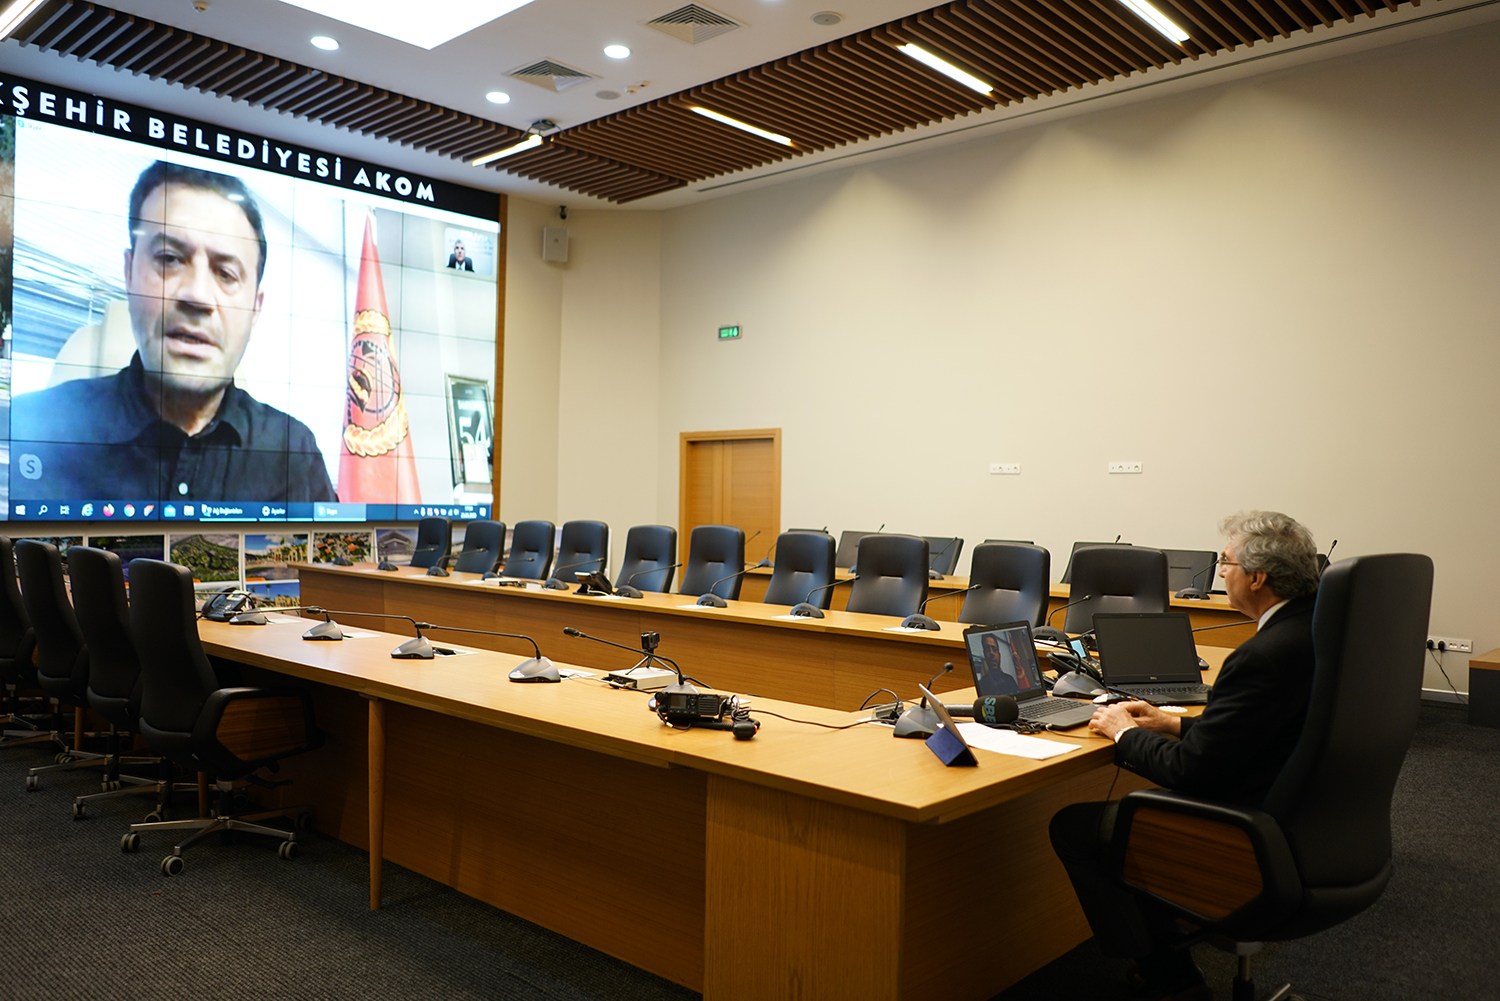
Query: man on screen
459, 258
172, 423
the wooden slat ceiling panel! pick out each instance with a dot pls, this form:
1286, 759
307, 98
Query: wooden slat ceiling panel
845, 91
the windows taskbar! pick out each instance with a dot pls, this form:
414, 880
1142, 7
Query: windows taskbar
137, 511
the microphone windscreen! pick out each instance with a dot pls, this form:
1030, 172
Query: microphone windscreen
996, 709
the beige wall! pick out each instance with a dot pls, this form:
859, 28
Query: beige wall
1273, 293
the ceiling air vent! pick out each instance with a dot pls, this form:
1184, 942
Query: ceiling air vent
550, 75
693, 24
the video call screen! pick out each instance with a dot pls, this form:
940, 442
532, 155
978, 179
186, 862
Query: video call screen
190, 339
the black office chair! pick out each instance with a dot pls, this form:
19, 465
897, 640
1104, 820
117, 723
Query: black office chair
62, 661
1067, 577
114, 689
1015, 542
1120, 579
804, 560
714, 553
484, 542
530, 550
1013, 580
1190, 570
434, 541
892, 575
227, 733
17, 664
650, 555
943, 553
848, 552
1318, 850
584, 548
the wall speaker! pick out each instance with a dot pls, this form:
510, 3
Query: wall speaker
555, 244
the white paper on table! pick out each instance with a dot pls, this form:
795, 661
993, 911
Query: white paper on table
795, 618
278, 617
573, 672
904, 629
1009, 742
697, 607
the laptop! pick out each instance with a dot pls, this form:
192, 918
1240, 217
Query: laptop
1003, 659
1150, 656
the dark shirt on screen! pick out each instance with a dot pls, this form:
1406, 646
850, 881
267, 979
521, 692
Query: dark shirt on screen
100, 438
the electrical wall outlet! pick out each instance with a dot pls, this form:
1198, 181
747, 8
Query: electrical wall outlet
1449, 644
1124, 467
1005, 468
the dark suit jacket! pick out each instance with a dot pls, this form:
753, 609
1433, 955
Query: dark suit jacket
1235, 750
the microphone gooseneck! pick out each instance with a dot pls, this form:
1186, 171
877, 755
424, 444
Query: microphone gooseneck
625, 590
806, 609
1050, 634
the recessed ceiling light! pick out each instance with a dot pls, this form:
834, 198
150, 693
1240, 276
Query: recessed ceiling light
946, 68
497, 97
616, 51
325, 43
1146, 12
827, 18
427, 27
743, 126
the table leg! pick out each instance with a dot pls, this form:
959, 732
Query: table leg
377, 798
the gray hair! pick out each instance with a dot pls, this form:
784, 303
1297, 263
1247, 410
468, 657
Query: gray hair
1270, 541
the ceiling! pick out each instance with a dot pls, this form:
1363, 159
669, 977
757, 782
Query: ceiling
833, 90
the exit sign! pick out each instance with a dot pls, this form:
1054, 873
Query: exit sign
729, 333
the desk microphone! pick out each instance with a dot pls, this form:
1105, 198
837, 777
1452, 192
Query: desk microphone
1327, 558
712, 600
762, 563
535, 668
554, 583
416, 648
440, 568
1192, 590
385, 560
920, 621
994, 709
807, 609
626, 591
1056, 636
932, 571
919, 721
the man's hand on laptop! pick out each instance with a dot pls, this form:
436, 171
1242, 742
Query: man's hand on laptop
1110, 720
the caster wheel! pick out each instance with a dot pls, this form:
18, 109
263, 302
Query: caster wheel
303, 821
130, 842
154, 817
287, 850
63, 758
33, 783
80, 811
171, 865
112, 785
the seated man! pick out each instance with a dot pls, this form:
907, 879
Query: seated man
1232, 752
172, 424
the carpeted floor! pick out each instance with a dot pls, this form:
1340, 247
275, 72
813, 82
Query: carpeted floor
81, 920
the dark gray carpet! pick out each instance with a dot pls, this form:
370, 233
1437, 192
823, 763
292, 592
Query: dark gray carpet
81, 920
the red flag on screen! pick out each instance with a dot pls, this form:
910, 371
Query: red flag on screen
376, 464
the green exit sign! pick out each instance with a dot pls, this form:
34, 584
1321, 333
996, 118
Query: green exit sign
729, 333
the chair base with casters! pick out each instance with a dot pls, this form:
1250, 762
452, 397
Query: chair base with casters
21, 730
224, 820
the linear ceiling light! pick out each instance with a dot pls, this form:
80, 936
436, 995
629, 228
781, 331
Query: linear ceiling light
530, 142
427, 26
742, 126
1156, 19
16, 12
946, 68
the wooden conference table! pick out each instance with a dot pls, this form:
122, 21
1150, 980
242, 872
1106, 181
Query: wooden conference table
835, 662
807, 862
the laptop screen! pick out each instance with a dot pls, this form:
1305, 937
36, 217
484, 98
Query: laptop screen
1146, 648
1003, 660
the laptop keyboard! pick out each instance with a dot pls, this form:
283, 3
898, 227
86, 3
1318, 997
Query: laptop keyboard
1037, 708
1166, 691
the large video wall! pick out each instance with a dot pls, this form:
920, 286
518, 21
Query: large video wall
204, 325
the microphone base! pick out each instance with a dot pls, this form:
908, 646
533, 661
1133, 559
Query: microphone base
324, 631
534, 669
807, 610
1049, 634
416, 648
553, 584
934, 575
342, 561
438, 572
1192, 593
387, 566
711, 600
626, 591
918, 721
1077, 683
248, 619
919, 622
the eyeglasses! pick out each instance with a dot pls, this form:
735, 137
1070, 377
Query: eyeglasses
1225, 561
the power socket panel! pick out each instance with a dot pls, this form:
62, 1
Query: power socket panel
1449, 644
1124, 467
1005, 469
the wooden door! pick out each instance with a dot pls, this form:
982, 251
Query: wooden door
730, 478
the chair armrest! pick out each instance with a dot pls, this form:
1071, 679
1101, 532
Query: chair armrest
1222, 867
257, 726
